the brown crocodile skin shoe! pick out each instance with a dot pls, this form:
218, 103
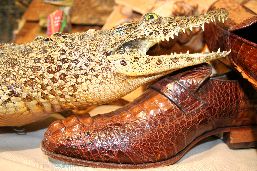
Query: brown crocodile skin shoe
160, 126
238, 33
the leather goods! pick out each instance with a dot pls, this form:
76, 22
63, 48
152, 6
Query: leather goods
161, 125
238, 33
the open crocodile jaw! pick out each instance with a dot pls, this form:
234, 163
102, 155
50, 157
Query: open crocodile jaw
133, 59
211, 17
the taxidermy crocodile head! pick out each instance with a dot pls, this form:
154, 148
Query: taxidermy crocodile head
130, 42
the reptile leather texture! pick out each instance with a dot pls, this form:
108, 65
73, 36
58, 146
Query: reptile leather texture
159, 124
243, 52
237, 34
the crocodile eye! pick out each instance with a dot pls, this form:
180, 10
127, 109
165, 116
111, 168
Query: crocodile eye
151, 16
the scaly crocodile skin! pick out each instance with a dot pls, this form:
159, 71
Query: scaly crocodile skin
237, 34
159, 124
72, 71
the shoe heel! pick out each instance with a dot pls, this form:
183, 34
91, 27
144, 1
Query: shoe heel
243, 137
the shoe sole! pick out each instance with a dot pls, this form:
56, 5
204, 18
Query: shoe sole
235, 137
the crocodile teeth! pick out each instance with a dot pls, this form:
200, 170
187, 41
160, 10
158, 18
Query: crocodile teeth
218, 50
202, 27
223, 53
219, 18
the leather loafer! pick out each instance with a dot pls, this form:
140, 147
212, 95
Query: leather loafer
237, 34
160, 126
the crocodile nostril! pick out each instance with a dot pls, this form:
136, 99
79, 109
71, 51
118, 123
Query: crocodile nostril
123, 62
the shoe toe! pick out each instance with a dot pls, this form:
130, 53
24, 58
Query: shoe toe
63, 136
53, 135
